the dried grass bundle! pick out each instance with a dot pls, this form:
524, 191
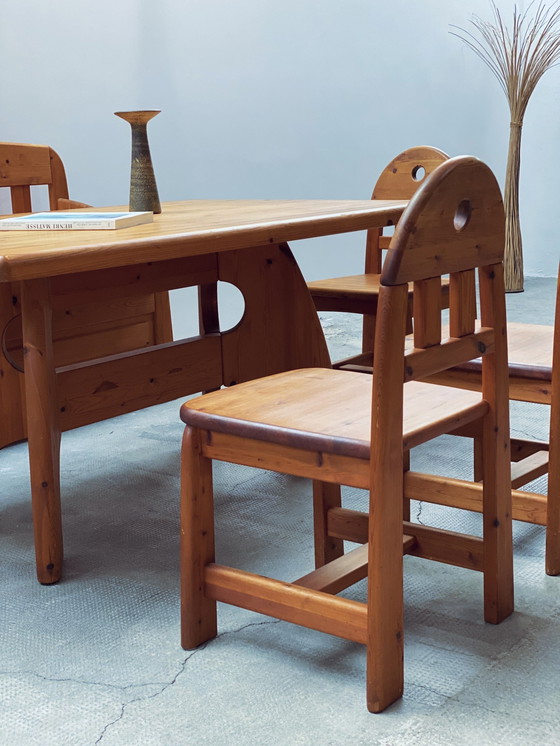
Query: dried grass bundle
518, 58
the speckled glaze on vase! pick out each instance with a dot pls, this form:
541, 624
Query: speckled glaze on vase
143, 187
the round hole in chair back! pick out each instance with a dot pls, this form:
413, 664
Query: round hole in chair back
462, 215
418, 173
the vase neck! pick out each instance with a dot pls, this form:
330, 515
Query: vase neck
139, 129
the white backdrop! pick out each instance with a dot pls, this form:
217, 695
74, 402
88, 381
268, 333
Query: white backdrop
269, 98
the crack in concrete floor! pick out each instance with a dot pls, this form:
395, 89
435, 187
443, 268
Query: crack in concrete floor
169, 684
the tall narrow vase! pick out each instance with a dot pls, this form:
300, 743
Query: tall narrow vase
143, 187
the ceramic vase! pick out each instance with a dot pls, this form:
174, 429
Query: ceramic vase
143, 187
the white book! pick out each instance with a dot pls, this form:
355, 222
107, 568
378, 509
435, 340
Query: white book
75, 221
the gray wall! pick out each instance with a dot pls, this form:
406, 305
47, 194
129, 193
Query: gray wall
268, 98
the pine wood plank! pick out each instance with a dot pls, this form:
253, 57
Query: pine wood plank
527, 506
325, 496
520, 389
529, 468
188, 229
314, 609
339, 573
446, 546
344, 571
107, 286
462, 292
349, 525
427, 312
420, 364
325, 467
21, 198
24, 164
92, 391
336, 419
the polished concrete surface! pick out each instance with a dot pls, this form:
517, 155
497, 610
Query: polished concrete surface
96, 659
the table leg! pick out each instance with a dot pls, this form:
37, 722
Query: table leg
42, 427
12, 426
280, 329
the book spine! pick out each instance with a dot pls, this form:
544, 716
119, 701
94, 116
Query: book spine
54, 226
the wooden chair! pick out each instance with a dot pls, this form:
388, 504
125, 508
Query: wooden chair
316, 423
359, 293
81, 333
534, 376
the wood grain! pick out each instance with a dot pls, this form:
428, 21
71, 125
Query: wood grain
298, 408
187, 229
314, 609
197, 540
88, 392
44, 447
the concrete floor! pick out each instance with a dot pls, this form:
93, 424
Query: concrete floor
96, 659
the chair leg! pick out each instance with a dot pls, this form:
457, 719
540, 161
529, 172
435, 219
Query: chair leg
553, 532
368, 332
553, 499
497, 523
198, 612
325, 496
385, 646
477, 458
406, 500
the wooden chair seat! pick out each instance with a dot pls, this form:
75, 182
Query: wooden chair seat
529, 352
356, 287
337, 293
327, 410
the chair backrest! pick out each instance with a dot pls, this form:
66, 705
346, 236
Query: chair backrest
399, 180
453, 225
23, 166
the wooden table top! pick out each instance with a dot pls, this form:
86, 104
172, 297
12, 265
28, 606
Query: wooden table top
186, 229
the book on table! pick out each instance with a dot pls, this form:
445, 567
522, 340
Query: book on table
64, 221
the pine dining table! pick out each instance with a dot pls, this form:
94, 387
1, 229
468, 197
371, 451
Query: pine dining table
191, 243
